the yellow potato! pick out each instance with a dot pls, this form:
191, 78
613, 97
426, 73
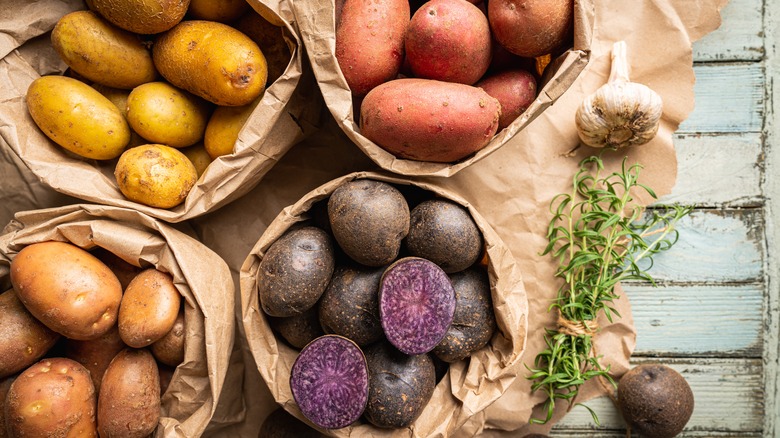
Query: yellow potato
223, 128
162, 113
223, 11
142, 16
118, 97
67, 289
102, 52
211, 60
155, 175
77, 117
149, 308
199, 157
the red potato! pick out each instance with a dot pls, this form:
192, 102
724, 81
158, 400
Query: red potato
448, 40
514, 89
427, 120
370, 42
531, 27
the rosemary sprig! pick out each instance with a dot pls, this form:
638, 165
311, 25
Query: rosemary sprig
599, 237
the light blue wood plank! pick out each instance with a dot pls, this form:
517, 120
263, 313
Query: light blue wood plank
739, 37
715, 246
729, 98
720, 320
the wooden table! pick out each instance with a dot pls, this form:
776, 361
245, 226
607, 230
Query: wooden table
714, 315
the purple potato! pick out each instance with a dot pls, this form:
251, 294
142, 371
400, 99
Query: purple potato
298, 330
350, 305
295, 271
416, 304
444, 232
474, 322
399, 387
329, 382
369, 220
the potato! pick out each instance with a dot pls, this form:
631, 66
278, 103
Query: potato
223, 11
369, 219
223, 128
170, 348
95, 354
67, 288
23, 339
77, 117
149, 308
295, 271
298, 330
155, 175
515, 91
164, 114
428, 120
53, 397
370, 42
5, 385
123, 270
448, 40
211, 60
101, 52
142, 16
129, 399
118, 97
350, 305
199, 157
531, 27
270, 38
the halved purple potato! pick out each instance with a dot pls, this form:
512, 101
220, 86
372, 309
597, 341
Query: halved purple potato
329, 382
350, 305
298, 330
444, 232
399, 386
416, 304
295, 271
474, 322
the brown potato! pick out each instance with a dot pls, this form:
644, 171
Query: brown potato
144, 17
123, 270
149, 308
95, 354
531, 27
5, 385
129, 400
223, 11
23, 339
170, 348
428, 120
52, 398
270, 38
67, 288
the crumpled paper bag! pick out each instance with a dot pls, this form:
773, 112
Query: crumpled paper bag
202, 278
468, 387
285, 114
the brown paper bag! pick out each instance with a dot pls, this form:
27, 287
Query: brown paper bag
469, 386
316, 21
202, 278
286, 113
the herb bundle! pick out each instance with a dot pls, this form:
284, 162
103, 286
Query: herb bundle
600, 237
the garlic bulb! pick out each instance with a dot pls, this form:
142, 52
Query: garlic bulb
620, 113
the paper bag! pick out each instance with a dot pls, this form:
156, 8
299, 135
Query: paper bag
316, 20
468, 387
286, 113
202, 278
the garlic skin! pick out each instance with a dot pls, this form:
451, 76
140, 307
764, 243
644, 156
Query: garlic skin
620, 113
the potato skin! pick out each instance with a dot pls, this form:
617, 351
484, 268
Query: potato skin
428, 120
515, 90
101, 52
370, 42
23, 339
53, 397
223, 128
149, 308
270, 38
211, 60
164, 114
223, 11
95, 354
129, 400
448, 40
67, 288
531, 27
77, 117
170, 348
155, 175
144, 17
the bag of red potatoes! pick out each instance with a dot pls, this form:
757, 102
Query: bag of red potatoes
226, 145
464, 387
67, 253
428, 88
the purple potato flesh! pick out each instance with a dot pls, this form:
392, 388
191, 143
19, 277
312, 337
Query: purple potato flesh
329, 382
416, 304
